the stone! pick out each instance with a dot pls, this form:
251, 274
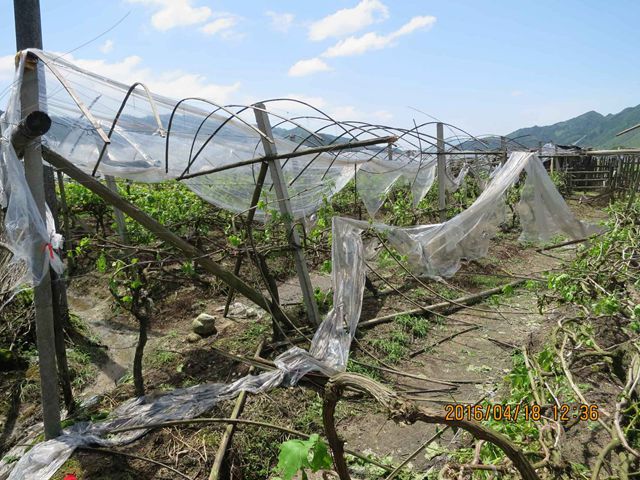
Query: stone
193, 337
204, 325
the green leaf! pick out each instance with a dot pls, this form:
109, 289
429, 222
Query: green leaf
296, 455
320, 454
101, 263
292, 458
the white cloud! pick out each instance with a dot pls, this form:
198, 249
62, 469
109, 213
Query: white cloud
382, 115
372, 41
349, 20
281, 22
7, 67
174, 83
307, 67
107, 46
223, 25
175, 13
416, 23
517, 93
317, 102
349, 112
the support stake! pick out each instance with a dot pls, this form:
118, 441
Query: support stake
29, 34
120, 223
284, 205
442, 172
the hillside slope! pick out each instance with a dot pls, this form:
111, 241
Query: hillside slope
590, 129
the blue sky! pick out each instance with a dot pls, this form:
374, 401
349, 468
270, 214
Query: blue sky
488, 67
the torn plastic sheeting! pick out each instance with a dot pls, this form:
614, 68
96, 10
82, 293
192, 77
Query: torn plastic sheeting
451, 183
138, 149
31, 239
375, 180
437, 250
328, 354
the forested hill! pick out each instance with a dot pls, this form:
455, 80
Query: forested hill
590, 129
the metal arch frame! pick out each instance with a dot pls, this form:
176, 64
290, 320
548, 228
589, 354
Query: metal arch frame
152, 103
347, 131
321, 112
295, 100
218, 107
243, 108
363, 130
356, 125
40, 55
234, 115
284, 119
348, 127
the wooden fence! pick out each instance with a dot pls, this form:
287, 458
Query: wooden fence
606, 171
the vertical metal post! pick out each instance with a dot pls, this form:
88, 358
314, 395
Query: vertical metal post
120, 223
284, 205
442, 172
29, 34
503, 149
356, 205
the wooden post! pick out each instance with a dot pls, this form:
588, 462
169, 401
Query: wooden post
29, 34
442, 172
503, 149
120, 223
284, 205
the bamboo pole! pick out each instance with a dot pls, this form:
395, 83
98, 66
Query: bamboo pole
227, 437
299, 153
455, 304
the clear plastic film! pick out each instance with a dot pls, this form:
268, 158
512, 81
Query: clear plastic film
154, 138
31, 239
328, 354
108, 128
437, 250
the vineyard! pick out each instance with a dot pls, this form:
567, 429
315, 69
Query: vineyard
237, 292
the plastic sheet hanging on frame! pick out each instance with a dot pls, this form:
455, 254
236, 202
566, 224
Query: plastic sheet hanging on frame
25, 229
437, 250
154, 138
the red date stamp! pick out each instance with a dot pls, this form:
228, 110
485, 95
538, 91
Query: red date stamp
521, 411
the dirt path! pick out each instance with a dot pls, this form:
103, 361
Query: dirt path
475, 361
119, 340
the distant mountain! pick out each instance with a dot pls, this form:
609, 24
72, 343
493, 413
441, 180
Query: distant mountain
591, 129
